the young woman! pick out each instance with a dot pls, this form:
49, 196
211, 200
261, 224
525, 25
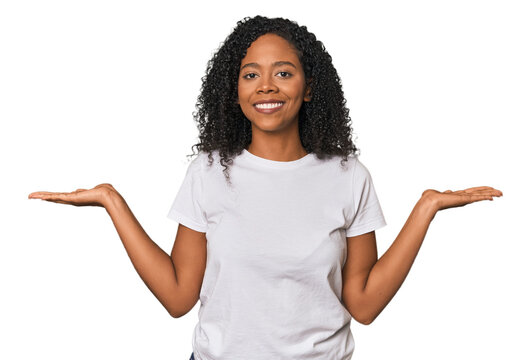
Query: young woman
277, 215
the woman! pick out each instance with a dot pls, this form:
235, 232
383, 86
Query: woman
277, 216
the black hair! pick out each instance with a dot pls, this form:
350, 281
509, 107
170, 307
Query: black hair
324, 122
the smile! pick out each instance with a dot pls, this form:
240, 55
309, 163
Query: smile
268, 108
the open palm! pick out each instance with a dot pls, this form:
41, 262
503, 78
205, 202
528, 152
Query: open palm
81, 197
450, 199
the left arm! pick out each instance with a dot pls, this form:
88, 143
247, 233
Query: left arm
370, 283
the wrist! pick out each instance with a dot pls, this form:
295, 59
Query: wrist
111, 199
428, 204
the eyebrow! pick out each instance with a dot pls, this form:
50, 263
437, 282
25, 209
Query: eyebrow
275, 64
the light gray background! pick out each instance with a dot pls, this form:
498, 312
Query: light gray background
104, 91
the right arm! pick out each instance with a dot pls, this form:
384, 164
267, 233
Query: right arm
174, 280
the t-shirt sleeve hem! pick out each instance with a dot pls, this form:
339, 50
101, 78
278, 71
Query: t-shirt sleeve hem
365, 228
186, 221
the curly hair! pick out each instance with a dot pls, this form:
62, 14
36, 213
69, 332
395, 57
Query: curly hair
324, 122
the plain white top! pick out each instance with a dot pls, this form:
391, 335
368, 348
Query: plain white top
276, 245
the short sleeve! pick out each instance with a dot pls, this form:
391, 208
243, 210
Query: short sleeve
186, 207
367, 214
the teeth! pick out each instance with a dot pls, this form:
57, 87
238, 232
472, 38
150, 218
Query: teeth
268, 105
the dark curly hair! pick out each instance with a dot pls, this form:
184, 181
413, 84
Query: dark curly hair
324, 122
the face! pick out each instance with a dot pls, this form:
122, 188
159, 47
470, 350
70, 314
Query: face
271, 84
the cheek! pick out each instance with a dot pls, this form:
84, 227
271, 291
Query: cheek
296, 91
243, 94
239, 94
243, 101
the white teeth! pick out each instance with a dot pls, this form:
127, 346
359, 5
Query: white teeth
268, 105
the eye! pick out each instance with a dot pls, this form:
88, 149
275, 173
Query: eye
284, 74
250, 76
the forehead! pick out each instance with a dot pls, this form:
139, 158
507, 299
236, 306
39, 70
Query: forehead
268, 47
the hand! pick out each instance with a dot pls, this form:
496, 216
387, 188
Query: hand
96, 196
449, 198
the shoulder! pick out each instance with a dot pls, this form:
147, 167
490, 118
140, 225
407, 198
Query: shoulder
205, 162
359, 171
352, 164
196, 162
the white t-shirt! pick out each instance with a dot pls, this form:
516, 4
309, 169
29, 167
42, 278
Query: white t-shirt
276, 245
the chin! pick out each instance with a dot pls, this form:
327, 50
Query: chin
268, 126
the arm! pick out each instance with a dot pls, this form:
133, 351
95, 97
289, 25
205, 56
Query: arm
175, 281
369, 284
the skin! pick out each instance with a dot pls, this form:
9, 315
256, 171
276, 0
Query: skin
369, 282
271, 69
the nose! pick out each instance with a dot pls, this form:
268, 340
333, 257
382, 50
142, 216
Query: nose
266, 86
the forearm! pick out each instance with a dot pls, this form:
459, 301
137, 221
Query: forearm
390, 271
154, 266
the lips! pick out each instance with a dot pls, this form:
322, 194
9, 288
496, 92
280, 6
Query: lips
268, 106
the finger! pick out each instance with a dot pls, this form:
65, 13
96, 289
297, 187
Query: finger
39, 194
475, 198
52, 196
492, 191
466, 199
59, 201
478, 188
59, 197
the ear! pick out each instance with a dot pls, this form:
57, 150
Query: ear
308, 91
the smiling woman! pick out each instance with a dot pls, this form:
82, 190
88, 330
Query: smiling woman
279, 63
281, 254
271, 89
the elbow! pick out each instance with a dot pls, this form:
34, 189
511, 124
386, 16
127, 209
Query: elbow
365, 320
175, 314
178, 311
363, 317
180, 307
361, 311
